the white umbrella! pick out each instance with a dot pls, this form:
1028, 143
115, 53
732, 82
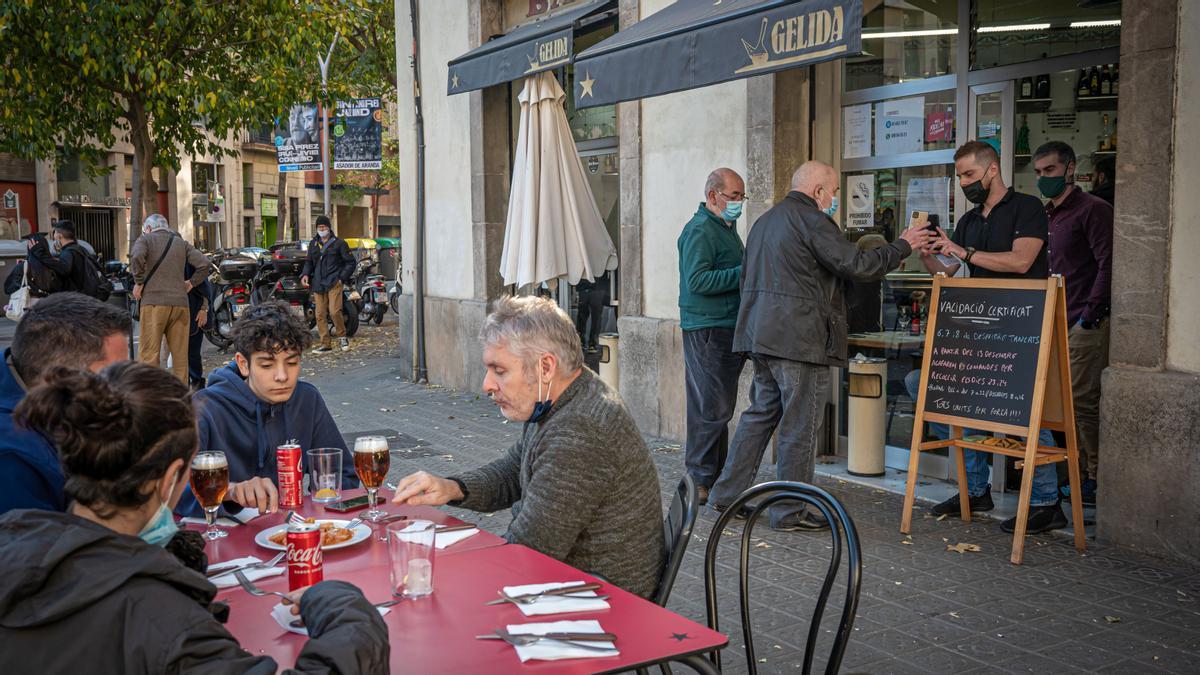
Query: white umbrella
554, 228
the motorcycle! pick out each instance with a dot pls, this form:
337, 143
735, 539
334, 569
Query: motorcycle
278, 278
231, 283
374, 301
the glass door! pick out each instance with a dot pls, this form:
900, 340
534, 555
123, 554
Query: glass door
991, 109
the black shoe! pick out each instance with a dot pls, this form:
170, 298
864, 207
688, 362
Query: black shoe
701, 495
742, 513
806, 522
952, 505
1041, 519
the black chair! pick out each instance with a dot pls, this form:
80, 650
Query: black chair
677, 531
840, 522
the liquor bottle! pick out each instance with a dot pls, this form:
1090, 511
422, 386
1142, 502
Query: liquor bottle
1041, 89
1023, 136
1026, 87
1116, 78
1105, 82
1112, 139
1081, 89
1094, 82
914, 326
1103, 141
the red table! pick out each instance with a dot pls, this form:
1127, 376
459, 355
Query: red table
436, 634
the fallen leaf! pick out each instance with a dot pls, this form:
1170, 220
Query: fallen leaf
955, 615
906, 542
1112, 619
942, 517
762, 544
962, 547
777, 647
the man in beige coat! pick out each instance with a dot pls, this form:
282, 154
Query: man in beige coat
157, 262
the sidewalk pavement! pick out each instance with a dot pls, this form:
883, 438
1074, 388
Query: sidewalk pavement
923, 608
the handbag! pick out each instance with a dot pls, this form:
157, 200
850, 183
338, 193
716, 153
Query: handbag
135, 306
18, 302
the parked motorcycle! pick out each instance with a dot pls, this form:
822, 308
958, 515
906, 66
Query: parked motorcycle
278, 277
231, 282
374, 299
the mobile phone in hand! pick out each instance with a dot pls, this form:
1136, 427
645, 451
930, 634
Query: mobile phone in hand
348, 505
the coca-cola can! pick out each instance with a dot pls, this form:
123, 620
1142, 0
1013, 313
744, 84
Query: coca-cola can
306, 564
291, 476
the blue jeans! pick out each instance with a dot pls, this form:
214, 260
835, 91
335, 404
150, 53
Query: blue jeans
1045, 477
711, 371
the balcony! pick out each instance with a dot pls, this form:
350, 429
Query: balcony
258, 139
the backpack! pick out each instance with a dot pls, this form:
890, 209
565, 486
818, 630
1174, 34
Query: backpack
94, 283
42, 280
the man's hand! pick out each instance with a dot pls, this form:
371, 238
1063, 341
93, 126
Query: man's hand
304, 280
256, 493
201, 318
918, 238
137, 292
426, 489
945, 246
187, 287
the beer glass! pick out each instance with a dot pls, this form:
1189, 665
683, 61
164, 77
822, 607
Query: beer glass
371, 462
210, 482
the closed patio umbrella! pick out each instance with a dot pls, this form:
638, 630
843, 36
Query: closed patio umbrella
554, 228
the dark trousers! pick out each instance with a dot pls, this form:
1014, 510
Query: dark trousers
591, 305
790, 396
711, 370
195, 366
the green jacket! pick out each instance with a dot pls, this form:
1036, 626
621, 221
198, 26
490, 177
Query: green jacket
710, 270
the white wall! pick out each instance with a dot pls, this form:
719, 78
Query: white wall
448, 230
1183, 321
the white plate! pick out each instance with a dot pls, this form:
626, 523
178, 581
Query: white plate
361, 533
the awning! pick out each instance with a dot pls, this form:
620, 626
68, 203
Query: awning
695, 43
542, 45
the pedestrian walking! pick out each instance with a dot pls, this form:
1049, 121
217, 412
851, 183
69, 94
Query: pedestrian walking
157, 261
329, 266
593, 297
1080, 249
710, 270
792, 323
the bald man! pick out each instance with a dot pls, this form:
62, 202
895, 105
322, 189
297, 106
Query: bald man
792, 324
710, 270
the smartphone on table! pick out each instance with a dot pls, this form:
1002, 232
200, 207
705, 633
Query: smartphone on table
348, 505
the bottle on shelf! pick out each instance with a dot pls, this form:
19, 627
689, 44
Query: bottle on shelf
1116, 78
1105, 139
1094, 82
1105, 81
1023, 137
1112, 138
1041, 87
1081, 88
1026, 87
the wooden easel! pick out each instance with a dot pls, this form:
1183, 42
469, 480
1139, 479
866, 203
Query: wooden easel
1052, 407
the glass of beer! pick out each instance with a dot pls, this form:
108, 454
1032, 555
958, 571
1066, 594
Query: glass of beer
210, 482
371, 461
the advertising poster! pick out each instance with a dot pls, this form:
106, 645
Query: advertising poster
939, 127
900, 126
358, 135
860, 202
298, 139
856, 128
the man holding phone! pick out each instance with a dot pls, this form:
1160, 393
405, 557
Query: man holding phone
257, 403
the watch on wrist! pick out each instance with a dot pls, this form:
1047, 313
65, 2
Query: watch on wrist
970, 252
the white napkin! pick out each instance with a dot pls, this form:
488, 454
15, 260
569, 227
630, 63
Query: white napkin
283, 616
553, 650
451, 538
584, 601
229, 581
244, 516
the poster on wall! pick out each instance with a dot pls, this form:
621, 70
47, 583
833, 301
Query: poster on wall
860, 202
358, 135
856, 131
900, 126
931, 195
298, 144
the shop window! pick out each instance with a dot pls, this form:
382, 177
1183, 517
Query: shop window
903, 41
247, 186
1006, 32
589, 123
899, 126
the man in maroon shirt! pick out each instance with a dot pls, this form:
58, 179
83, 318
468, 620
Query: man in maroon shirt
1080, 249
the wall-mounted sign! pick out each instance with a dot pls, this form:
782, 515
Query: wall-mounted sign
900, 126
88, 200
856, 131
860, 202
11, 200
269, 207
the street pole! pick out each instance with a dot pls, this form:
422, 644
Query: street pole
324, 64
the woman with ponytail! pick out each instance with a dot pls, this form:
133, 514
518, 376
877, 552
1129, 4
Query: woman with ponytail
112, 585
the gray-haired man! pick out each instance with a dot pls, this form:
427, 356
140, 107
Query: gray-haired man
580, 480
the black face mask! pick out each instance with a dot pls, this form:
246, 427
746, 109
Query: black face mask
975, 192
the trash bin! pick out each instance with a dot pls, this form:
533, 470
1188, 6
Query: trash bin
866, 416
609, 371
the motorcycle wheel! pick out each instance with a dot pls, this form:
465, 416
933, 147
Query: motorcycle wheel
380, 309
350, 314
214, 334
394, 301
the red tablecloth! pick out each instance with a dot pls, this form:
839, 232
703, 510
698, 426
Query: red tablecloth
436, 634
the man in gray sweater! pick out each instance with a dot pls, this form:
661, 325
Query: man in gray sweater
157, 261
580, 480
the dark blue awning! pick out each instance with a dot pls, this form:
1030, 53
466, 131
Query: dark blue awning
542, 45
694, 43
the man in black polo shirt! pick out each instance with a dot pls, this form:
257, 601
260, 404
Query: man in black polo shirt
1003, 237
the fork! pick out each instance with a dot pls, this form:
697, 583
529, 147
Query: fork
255, 590
575, 640
252, 566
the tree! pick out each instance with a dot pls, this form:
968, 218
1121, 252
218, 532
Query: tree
176, 77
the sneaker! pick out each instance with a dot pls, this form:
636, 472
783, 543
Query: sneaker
952, 505
742, 513
805, 522
345, 344
1087, 490
701, 495
1041, 519
322, 349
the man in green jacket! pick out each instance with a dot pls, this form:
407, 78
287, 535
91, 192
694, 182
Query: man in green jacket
710, 269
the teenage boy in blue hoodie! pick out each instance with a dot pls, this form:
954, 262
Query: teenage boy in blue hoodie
257, 403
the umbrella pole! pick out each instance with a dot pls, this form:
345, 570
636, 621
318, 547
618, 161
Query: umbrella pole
420, 372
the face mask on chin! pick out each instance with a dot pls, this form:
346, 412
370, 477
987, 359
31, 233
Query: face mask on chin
541, 407
161, 527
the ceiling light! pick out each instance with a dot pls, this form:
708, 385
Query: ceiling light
1013, 28
1095, 24
910, 33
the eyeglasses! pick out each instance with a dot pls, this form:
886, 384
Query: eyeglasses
732, 198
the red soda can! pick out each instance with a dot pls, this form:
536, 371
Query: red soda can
306, 564
291, 477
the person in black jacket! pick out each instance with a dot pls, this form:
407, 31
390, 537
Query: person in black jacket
68, 264
112, 586
329, 266
792, 324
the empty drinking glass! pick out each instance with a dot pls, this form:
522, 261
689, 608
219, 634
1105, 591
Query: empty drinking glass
325, 474
411, 552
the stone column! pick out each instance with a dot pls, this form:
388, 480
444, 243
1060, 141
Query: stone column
47, 193
489, 160
629, 153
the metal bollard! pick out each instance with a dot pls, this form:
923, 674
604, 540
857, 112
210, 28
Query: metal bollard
610, 372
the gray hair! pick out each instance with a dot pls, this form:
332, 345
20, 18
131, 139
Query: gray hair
155, 222
530, 327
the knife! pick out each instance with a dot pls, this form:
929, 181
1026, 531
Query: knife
566, 590
574, 637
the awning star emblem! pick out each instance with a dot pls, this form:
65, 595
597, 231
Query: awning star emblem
586, 83
454, 81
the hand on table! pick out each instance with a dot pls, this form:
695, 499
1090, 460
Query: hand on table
258, 493
425, 489
294, 599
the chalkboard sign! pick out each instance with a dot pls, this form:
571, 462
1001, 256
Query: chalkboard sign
983, 360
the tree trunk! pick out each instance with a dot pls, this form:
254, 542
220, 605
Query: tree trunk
145, 190
281, 220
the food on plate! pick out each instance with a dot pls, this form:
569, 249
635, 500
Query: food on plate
331, 534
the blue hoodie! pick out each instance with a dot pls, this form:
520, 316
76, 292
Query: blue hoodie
31, 476
233, 420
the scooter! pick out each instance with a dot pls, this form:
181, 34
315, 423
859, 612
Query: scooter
373, 299
231, 283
